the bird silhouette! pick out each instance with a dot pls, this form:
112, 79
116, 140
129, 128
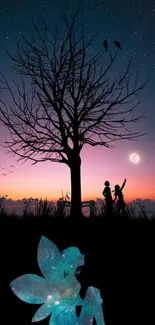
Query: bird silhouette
10, 171
118, 45
105, 44
12, 166
4, 174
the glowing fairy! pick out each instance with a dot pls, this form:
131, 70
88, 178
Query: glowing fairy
58, 289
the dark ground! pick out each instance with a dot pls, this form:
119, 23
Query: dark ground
119, 261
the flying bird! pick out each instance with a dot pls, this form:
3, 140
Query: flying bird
118, 45
4, 174
10, 171
105, 44
12, 166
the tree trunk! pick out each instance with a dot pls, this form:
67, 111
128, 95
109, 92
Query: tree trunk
75, 168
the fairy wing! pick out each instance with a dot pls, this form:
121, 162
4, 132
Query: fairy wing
29, 288
48, 256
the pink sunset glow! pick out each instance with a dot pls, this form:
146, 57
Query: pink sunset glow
98, 164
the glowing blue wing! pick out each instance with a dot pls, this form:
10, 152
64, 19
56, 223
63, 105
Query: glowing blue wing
48, 256
43, 312
29, 288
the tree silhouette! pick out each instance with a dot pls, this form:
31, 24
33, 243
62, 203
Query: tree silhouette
70, 100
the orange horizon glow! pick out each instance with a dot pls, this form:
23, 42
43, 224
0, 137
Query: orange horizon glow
85, 198
47, 180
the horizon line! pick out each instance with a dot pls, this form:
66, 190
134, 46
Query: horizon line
55, 200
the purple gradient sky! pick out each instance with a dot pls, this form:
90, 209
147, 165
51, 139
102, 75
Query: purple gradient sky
133, 26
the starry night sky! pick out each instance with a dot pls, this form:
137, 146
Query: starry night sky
130, 22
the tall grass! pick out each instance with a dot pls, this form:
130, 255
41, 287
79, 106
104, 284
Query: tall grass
46, 209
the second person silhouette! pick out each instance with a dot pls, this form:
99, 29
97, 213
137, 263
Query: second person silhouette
119, 197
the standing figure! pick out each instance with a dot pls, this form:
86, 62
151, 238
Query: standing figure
108, 197
92, 308
118, 194
58, 291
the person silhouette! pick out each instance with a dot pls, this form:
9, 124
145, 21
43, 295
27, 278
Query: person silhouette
58, 291
61, 290
67, 267
92, 308
118, 194
108, 197
68, 298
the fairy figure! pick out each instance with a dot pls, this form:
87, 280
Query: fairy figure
118, 194
92, 308
108, 197
58, 291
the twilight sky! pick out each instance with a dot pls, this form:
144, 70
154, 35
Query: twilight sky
133, 24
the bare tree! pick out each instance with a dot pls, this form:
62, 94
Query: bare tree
70, 101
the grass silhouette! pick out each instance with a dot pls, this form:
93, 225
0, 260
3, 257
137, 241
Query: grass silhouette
44, 209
